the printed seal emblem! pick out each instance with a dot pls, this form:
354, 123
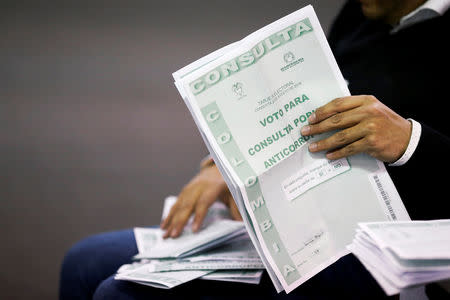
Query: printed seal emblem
289, 57
238, 89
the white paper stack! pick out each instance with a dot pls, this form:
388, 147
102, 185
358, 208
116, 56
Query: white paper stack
400, 255
221, 250
217, 229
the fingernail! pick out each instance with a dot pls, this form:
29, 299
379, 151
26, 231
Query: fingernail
194, 227
312, 146
305, 130
312, 118
174, 233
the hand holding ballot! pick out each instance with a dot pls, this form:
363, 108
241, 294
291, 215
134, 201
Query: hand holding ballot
368, 126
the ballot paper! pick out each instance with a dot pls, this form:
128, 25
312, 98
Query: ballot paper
181, 265
400, 255
166, 263
243, 276
217, 211
150, 240
166, 280
249, 101
239, 249
217, 229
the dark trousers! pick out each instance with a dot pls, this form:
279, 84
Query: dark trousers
88, 273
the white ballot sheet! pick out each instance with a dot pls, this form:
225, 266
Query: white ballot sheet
250, 100
164, 280
244, 276
419, 240
205, 265
401, 255
217, 228
152, 244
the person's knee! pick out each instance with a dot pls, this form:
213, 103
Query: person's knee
100, 251
93, 259
74, 271
76, 257
106, 290
110, 289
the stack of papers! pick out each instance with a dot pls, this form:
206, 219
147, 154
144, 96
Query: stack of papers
221, 250
400, 255
249, 101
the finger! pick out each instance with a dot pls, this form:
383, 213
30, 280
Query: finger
337, 121
204, 202
174, 210
354, 148
179, 214
164, 223
200, 212
183, 214
166, 234
231, 204
234, 211
339, 139
167, 220
179, 222
335, 106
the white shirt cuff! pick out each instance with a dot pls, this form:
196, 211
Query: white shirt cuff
413, 142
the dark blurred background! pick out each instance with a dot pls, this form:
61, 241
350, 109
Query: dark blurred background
93, 133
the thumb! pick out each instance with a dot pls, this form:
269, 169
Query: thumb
234, 211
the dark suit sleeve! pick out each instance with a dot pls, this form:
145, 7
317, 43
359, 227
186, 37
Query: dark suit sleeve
423, 182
